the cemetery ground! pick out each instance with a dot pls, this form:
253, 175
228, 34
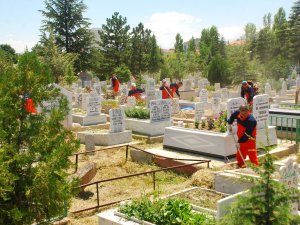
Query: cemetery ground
111, 163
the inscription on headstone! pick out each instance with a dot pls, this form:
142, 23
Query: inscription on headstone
93, 106
155, 110
131, 102
199, 111
203, 95
117, 120
216, 105
175, 105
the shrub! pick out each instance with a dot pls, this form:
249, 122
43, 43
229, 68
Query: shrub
165, 211
139, 113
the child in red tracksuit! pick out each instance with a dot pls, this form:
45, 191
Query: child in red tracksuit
246, 133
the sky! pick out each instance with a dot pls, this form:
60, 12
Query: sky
20, 20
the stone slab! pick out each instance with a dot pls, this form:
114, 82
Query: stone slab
145, 127
106, 138
187, 95
85, 120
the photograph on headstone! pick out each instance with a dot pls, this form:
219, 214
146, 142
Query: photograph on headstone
117, 120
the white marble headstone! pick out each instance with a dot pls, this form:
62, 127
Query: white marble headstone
216, 105
224, 94
97, 88
233, 104
103, 85
93, 105
131, 102
261, 110
87, 83
150, 95
187, 85
175, 105
289, 176
117, 120
166, 109
124, 90
150, 85
199, 111
155, 110
268, 89
203, 95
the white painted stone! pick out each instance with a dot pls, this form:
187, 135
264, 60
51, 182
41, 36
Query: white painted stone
107, 138
203, 95
261, 110
146, 127
85, 120
131, 102
93, 106
117, 120
199, 111
211, 143
233, 104
175, 105
289, 176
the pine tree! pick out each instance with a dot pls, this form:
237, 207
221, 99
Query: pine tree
192, 45
34, 148
71, 29
294, 33
178, 44
155, 57
114, 43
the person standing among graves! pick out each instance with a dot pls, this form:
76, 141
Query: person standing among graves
165, 90
115, 84
175, 88
255, 90
247, 92
136, 92
246, 132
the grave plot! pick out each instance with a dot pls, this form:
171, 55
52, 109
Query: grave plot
221, 143
186, 91
116, 135
149, 122
111, 164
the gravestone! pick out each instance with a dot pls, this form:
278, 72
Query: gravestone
203, 95
175, 105
89, 142
84, 101
78, 99
201, 85
284, 87
158, 94
117, 120
97, 88
93, 106
261, 110
124, 90
131, 102
187, 85
103, 85
217, 86
150, 95
233, 104
289, 176
83, 76
216, 105
87, 83
150, 85
216, 94
199, 111
268, 89
160, 110
224, 94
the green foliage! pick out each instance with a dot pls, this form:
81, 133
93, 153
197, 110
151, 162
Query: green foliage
221, 122
65, 19
114, 43
196, 124
203, 124
123, 73
294, 33
267, 202
210, 124
165, 211
35, 148
138, 113
218, 71
178, 44
10, 52
114, 104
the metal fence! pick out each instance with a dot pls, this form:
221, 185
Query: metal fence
152, 172
288, 128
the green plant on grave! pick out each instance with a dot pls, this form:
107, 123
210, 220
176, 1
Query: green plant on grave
210, 88
165, 211
140, 103
138, 113
210, 124
221, 122
192, 99
196, 124
113, 104
267, 202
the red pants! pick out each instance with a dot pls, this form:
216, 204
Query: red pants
247, 148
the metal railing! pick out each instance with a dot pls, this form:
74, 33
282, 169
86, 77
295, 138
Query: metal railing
153, 172
287, 128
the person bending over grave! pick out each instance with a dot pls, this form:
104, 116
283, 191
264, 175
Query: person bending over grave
247, 92
175, 88
165, 90
136, 92
246, 132
115, 84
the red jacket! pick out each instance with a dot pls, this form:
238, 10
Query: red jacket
166, 91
